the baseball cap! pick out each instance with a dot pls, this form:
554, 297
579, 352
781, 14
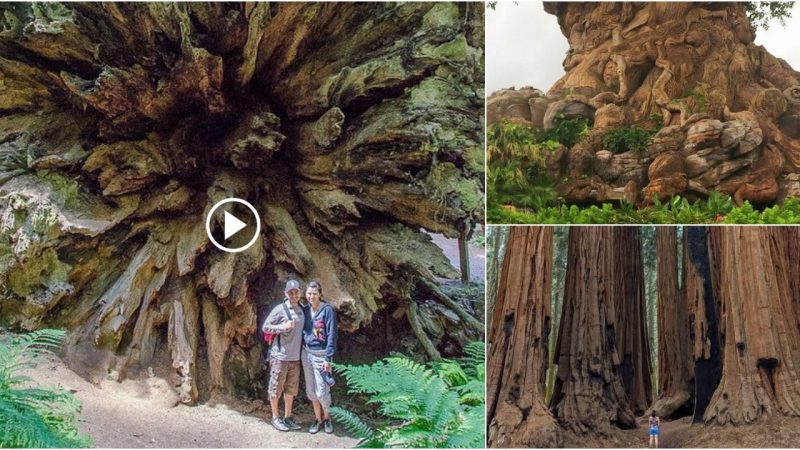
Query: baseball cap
292, 284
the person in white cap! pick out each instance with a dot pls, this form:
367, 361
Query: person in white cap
285, 323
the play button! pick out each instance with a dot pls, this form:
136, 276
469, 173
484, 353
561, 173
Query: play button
238, 215
232, 225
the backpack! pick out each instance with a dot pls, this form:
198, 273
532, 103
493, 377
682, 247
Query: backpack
269, 338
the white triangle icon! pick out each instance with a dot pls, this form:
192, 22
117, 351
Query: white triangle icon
232, 225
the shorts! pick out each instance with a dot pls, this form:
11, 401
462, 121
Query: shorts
653, 431
316, 387
284, 377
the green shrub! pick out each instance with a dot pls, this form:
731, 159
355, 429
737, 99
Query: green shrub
441, 406
31, 416
566, 131
516, 170
715, 209
624, 139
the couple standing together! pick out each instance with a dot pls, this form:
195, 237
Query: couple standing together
301, 334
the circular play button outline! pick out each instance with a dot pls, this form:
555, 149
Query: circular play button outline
255, 235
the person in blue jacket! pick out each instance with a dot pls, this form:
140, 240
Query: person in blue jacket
319, 345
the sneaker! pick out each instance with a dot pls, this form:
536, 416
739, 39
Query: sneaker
314, 428
289, 421
278, 424
328, 426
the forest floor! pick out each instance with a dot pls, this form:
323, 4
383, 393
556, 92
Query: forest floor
141, 414
770, 432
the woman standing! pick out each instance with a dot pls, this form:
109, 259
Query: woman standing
655, 425
319, 345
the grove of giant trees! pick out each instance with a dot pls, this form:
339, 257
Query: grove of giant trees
352, 128
728, 328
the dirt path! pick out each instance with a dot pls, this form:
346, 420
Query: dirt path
139, 413
674, 432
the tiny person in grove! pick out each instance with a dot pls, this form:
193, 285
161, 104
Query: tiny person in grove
655, 425
285, 322
319, 345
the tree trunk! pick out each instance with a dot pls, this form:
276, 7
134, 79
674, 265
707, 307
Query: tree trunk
632, 342
726, 112
699, 287
675, 361
350, 127
603, 357
517, 362
759, 327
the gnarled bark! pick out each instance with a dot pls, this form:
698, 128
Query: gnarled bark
725, 110
759, 325
351, 128
520, 326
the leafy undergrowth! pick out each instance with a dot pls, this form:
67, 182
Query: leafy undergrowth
716, 209
34, 416
439, 405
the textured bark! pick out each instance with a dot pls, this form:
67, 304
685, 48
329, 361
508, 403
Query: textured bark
759, 326
675, 362
699, 286
602, 353
350, 127
727, 111
517, 361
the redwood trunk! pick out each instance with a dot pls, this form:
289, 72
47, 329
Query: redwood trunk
520, 326
699, 282
759, 326
602, 354
675, 362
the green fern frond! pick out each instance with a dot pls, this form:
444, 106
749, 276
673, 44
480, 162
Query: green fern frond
34, 417
471, 433
426, 406
352, 423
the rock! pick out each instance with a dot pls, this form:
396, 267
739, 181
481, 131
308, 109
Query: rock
667, 176
740, 135
667, 139
771, 102
718, 173
570, 108
609, 116
789, 186
580, 161
511, 104
732, 133
789, 123
610, 167
538, 106
703, 134
695, 165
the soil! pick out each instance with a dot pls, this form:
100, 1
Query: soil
141, 414
770, 432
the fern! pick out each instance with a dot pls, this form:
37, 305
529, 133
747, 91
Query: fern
34, 417
441, 405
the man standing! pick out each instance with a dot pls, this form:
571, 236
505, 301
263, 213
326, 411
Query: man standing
285, 322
